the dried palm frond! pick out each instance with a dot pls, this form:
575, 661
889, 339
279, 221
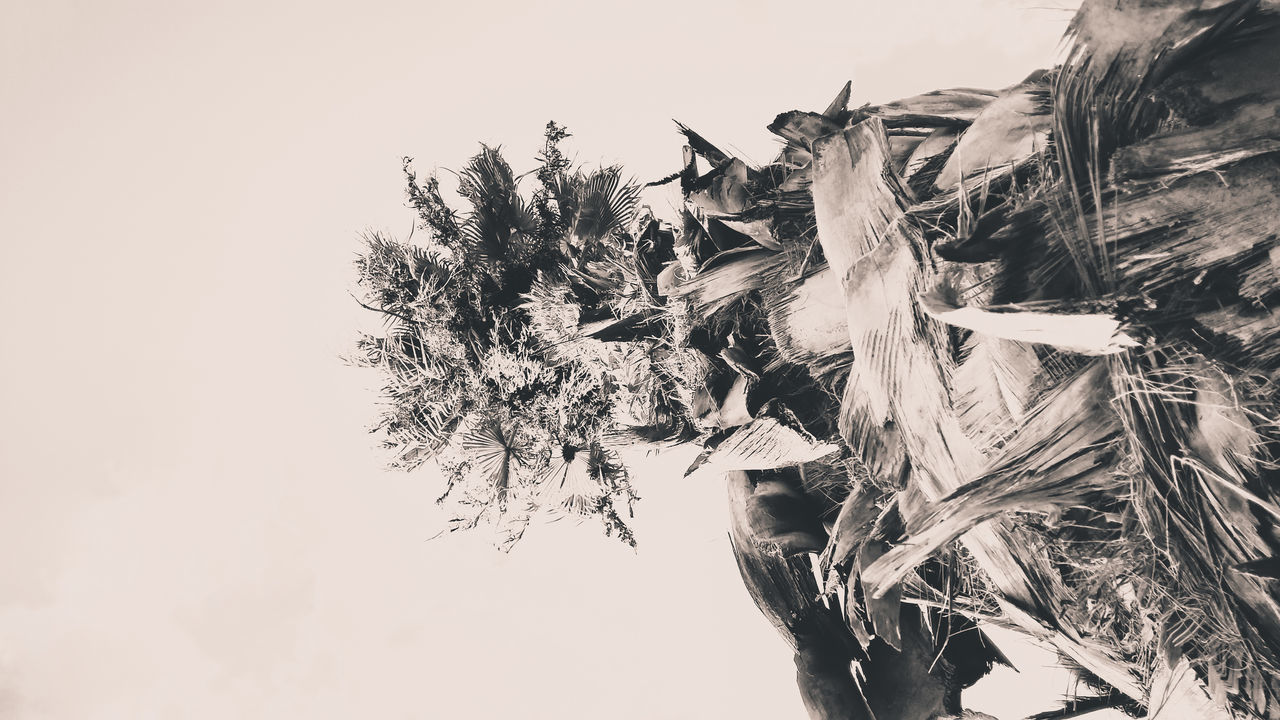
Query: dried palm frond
800, 130
764, 443
1175, 254
882, 609
1046, 323
940, 108
851, 529
1207, 223
928, 158
807, 323
1202, 522
704, 149
869, 432
1008, 131
1062, 454
726, 278
1223, 105
994, 385
839, 105
1176, 694
860, 204
723, 191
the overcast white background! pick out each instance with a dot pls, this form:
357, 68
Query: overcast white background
193, 521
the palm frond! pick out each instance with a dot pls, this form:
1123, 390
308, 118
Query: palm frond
501, 227
603, 205
1235, 115
940, 108
487, 178
765, 443
807, 322
1177, 694
494, 449
839, 104
727, 277
704, 149
572, 483
1014, 127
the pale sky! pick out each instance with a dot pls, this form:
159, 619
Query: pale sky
194, 522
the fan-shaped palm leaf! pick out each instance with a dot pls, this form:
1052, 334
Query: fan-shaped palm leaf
495, 234
487, 177
597, 205
571, 483
501, 225
493, 448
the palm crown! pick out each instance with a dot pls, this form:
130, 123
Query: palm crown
467, 381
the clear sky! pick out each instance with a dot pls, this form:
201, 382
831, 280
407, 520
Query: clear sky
194, 523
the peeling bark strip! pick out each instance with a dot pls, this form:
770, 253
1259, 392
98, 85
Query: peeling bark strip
902, 363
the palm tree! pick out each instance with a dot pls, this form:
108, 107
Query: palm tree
973, 356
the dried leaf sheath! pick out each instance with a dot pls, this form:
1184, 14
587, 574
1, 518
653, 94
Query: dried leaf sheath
994, 387
1062, 454
859, 206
